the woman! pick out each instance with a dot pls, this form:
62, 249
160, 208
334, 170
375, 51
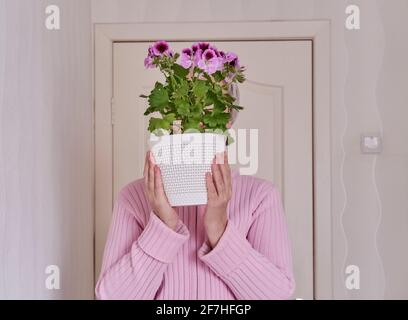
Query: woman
235, 247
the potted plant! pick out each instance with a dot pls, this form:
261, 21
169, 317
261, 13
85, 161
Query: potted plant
190, 114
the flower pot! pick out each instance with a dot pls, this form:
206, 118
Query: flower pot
184, 160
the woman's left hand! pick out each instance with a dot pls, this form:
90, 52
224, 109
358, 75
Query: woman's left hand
219, 190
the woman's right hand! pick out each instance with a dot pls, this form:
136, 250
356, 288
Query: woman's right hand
155, 193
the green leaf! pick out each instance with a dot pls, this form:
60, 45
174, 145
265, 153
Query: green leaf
210, 98
217, 89
148, 111
200, 88
218, 76
181, 91
219, 120
192, 124
170, 117
179, 71
183, 108
159, 97
196, 111
219, 107
157, 123
223, 118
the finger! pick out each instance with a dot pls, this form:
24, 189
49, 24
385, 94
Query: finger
158, 183
151, 176
225, 170
227, 165
146, 168
217, 177
212, 192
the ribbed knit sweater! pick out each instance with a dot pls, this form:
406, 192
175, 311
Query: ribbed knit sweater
145, 259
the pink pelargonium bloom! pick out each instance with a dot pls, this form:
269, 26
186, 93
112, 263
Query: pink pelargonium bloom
235, 63
209, 61
232, 59
197, 56
148, 62
229, 56
161, 48
203, 46
187, 57
195, 47
214, 48
221, 57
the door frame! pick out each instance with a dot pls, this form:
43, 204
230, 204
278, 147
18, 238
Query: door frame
105, 35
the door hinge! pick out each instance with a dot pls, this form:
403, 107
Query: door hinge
113, 111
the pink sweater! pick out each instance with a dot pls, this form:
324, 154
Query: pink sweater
144, 259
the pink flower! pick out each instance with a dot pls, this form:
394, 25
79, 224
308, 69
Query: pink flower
209, 61
148, 62
161, 48
197, 56
187, 57
214, 48
195, 47
229, 56
232, 59
203, 46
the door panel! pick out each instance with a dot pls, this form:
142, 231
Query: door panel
278, 102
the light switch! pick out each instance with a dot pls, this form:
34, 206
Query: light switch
371, 143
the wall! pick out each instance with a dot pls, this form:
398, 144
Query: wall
46, 195
369, 76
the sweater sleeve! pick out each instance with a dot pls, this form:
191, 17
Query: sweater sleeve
135, 259
258, 266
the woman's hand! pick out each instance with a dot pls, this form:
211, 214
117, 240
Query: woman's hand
155, 193
219, 190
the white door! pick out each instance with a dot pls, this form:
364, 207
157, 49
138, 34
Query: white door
278, 101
